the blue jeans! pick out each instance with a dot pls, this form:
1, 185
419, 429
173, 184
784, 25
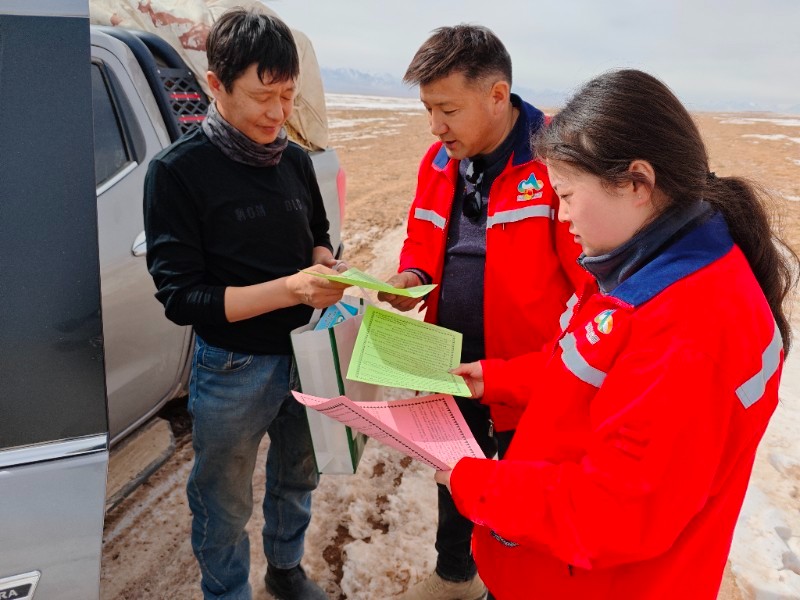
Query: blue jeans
234, 399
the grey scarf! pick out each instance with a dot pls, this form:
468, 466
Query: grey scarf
237, 146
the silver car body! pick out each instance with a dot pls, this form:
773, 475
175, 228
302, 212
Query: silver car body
53, 425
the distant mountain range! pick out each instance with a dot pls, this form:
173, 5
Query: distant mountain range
351, 81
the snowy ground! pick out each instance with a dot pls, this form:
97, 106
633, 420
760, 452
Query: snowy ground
765, 557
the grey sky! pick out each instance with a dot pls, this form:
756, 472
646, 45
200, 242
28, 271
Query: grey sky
707, 50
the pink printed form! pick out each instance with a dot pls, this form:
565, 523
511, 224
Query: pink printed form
428, 428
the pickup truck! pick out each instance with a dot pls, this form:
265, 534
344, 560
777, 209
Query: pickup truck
73, 271
144, 97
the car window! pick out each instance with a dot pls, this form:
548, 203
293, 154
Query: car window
111, 153
52, 385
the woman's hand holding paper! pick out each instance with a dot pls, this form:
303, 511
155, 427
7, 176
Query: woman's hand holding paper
473, 376
443, 478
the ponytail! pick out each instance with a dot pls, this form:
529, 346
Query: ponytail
774, 264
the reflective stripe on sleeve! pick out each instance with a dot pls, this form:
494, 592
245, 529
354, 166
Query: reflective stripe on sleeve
577, 364
518, 214
752, 390
423, 214
566, 316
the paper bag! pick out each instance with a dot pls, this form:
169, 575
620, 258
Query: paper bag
323, 357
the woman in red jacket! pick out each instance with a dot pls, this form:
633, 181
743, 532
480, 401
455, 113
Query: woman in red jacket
628, 471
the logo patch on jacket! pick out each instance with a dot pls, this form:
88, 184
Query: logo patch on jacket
605, 321
530, 188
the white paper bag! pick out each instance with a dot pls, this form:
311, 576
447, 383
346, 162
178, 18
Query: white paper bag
323, 358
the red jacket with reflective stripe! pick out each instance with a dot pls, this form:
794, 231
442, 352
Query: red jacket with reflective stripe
531, 266
626, 475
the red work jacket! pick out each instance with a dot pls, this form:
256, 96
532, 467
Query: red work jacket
530, 268
628, 470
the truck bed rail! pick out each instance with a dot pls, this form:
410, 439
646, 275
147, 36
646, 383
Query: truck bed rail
181, 100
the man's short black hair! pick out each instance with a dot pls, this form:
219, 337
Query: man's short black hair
242, 37
472, 50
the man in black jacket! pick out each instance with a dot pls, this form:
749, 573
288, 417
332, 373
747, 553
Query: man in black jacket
233, 212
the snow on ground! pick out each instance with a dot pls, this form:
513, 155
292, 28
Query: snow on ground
386, 517
754, 120
334, 123
773, 137
342, 130
362, 102
368, 127
765, 557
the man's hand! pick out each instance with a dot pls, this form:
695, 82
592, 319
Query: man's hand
315, 291
322, 256
403, 280
473, 376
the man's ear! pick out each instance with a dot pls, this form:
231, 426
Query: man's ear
214, 83
642, 190
500, 93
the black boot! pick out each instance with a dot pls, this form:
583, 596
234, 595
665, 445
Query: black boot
292, 584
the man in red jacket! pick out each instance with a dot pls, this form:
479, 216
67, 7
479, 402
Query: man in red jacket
482, 227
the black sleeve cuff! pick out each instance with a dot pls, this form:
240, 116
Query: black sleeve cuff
423, 276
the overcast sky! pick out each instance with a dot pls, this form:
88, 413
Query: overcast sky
707, 50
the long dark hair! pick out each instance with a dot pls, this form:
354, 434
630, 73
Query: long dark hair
625, 115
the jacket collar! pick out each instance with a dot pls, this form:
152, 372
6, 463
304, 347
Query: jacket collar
532, 120
705, 244
613, 268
